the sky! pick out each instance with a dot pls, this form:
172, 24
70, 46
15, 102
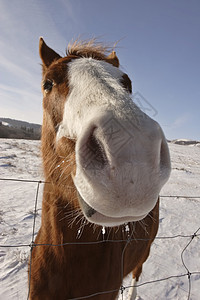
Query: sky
158, 47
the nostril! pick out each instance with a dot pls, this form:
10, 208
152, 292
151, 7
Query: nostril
164, 155
96, 149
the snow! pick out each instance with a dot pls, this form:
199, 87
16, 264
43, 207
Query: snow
178, 216
6, 124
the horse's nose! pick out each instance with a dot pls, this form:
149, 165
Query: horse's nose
108, 144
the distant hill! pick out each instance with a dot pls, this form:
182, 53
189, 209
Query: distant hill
15, 129
185, 142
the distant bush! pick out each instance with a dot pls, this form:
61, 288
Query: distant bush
19, 133
16, 129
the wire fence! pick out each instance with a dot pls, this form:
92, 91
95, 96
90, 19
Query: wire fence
188, 274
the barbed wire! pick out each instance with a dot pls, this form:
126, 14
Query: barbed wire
42, 182
188, 273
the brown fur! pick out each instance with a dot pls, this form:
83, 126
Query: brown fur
75, 270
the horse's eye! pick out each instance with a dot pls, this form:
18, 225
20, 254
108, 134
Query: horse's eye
47, 85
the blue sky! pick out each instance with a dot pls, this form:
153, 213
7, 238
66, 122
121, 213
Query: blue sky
159, 48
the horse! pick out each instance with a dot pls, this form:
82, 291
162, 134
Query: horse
105, 162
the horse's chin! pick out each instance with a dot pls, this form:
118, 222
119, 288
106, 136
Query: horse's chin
93, 216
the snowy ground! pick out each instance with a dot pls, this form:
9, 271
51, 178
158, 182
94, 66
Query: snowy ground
178, 216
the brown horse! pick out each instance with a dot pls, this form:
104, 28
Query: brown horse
105, 162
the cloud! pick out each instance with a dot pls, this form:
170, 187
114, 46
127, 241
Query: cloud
21, 72
180, 121
17, 91
71, 13
21, 25
20, 103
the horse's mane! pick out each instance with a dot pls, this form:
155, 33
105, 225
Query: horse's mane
89, 48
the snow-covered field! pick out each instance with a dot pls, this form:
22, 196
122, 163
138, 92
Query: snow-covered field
178, 216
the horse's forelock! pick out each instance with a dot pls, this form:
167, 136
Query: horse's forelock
93, 49
88, 48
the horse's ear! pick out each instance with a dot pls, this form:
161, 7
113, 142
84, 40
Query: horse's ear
47, 54
113, 59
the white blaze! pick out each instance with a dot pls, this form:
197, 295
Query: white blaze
94, 87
